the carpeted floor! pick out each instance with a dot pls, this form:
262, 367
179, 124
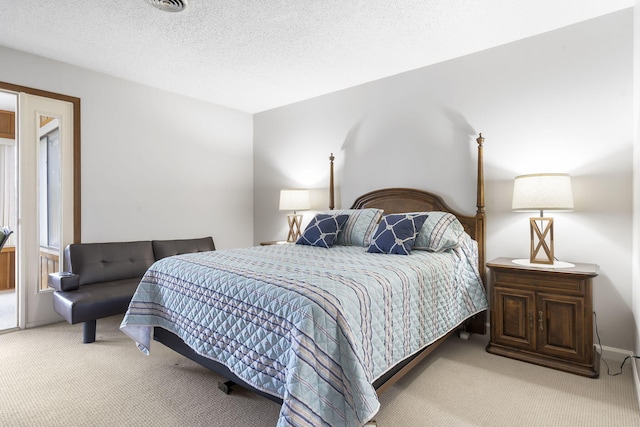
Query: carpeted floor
49, 378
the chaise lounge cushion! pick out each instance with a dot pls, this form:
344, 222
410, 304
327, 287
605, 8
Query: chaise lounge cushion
96, 301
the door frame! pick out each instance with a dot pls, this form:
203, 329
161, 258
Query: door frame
76, 160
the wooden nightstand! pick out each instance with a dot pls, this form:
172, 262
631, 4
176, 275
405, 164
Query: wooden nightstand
274, 242
544, 315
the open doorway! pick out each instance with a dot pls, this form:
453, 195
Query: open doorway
40, 193
8, 210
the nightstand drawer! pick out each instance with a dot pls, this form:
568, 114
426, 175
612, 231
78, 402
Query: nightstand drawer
540, 281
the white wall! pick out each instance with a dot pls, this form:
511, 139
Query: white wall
155, 165
558, 102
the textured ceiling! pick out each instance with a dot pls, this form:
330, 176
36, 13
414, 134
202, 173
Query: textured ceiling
254, 55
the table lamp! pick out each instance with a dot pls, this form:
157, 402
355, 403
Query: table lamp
542, 192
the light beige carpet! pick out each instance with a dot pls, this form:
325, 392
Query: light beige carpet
49, 378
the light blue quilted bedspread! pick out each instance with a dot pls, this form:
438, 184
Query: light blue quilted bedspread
313, 326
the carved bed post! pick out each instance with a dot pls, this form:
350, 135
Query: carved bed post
477, 324
480, 205
480, 215
331, 193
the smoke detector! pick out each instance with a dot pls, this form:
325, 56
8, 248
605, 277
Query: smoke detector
169, 5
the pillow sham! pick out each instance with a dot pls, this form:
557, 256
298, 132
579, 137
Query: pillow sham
441, 231
396, 233
358, 228
322, 230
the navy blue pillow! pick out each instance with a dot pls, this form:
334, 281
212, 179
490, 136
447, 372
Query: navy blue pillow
322, 230
396, 233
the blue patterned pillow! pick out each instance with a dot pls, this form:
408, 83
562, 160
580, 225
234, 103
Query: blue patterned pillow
322, 230
441, 231
396, 233
359, 227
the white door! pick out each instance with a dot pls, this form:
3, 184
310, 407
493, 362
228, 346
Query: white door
45, 202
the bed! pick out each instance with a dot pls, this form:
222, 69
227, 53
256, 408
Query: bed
323, 330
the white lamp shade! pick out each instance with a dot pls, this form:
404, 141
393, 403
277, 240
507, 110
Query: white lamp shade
543, 191
294, 200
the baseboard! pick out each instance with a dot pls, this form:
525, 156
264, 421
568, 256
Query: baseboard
636, 380
613, 353
618, 355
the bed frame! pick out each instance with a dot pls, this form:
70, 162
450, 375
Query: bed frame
392, 200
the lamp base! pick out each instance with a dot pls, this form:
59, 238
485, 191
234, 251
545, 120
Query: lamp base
556, 264
541, 241
295, 221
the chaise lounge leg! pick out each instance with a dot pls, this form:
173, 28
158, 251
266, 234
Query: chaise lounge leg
89, 331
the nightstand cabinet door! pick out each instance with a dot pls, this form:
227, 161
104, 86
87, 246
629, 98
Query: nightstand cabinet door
544, 315
514, 317
561, 319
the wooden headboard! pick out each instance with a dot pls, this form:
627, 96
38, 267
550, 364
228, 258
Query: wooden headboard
398, 200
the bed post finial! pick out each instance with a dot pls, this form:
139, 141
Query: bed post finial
331, 193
